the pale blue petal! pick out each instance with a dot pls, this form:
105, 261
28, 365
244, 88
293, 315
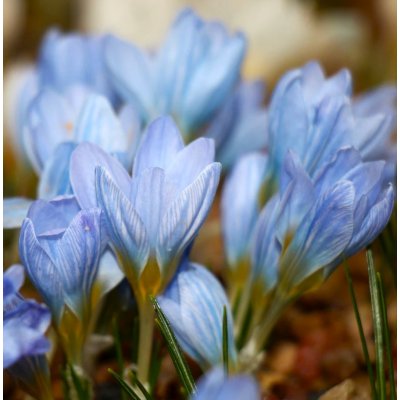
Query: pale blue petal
212, 81
374, 222
130, 72
54, 180
124, 225
240, 205
53, 217
84, 161
78, 257
184, 217
194, 304
216, 385
50, 121
13, 279
15, 210
109, 274
190, 162
266, 248
297, 196
322, 236
332, 127
152, 196
98, 124
41, 269
344, 160
22, 341
159, 146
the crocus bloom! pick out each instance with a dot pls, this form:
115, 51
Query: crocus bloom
190, 76
56, 71
240, 126
315, 116
312, 225
60, 246
154, 215
56, 123
193, 304
217, 386
240, 209
24, 343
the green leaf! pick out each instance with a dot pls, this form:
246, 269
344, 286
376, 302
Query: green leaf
141, 387
361, 331
81, 385
378, 322
128, 390
174, 349
225, 343
386, 336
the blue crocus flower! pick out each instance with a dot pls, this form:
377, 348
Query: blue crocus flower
309, 228
56, 71
25, 323
55, 125
190, 76
240, 208
312, 225
315, 116
217, 386
240, 126
54, 120
155, 214
193, 304
60, 246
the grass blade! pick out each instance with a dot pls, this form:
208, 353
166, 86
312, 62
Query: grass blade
386, 338
361, 331
141, 387
128, 390
174, 350
81, 386
378, 322
225, 343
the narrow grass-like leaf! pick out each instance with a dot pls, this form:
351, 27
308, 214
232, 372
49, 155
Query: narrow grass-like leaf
225, 343
128, 390
118, 352
81, 386
65, 385
386, 338
378, 322
361, 331
141, 387
174, 350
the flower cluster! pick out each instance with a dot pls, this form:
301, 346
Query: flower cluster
129, 146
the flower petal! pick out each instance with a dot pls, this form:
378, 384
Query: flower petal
160, 144
54, 180
41, 269
15, 210
98, 124
124, 225
184, 217
84, 161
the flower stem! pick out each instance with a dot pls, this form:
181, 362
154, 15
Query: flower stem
146, 320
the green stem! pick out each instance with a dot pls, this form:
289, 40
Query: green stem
146, 327
378, 321
361, 331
